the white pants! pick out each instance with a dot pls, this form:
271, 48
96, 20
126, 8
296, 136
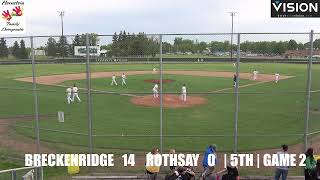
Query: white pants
184, 96
123, 82
69, 98
155, 94
77, 96
254, 77
277, 79
234, 83
114, 82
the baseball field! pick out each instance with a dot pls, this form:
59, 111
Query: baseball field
126, 118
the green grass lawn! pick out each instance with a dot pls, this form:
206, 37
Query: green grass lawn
266, 111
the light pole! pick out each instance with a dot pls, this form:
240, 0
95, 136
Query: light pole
232, 15
61, 14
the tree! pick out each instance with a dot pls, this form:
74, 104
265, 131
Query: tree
202, 46
300, 46
115, 47
93, 39
22, 53
75, 42
281, 47
316, 44
51, 47
218, 46
3, 48
166, 47
292, 45
15, 49
63, 47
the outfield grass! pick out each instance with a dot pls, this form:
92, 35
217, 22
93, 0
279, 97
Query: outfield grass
270, 113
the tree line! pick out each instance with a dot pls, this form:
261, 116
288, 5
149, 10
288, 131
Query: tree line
63, 48
126, 44
19, 51
261, 47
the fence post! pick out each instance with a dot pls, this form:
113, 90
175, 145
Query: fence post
13, 175
161, 97
306, 120
41, 173
36, 173
236, 112
89, 101
35, 95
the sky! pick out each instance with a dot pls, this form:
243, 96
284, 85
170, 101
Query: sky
158, 16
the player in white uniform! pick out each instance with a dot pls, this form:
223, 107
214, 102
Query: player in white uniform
154, 70
255, 75
69, 93
155, 90
123, 76
184, 93
114, 80
277, 77
75, 92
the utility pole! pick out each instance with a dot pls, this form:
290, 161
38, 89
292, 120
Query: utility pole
232, 14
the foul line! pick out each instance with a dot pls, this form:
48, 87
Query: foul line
247, 85
315, 91
110, 92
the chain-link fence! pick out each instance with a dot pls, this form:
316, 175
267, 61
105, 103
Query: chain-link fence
26, 173
171, 91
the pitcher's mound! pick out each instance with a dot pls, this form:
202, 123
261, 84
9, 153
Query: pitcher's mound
154, 81
169, 101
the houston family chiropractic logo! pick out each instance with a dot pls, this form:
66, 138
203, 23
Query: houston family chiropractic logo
295, 8
13, 19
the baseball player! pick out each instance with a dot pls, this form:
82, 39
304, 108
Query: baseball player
155, 90
154, 70
184, 93
277, 77
114, 80
235, 80
255, 75
75, 92
123, 76
69, 93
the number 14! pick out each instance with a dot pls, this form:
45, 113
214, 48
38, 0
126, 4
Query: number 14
128, 159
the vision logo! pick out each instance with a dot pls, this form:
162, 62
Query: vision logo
295, 8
